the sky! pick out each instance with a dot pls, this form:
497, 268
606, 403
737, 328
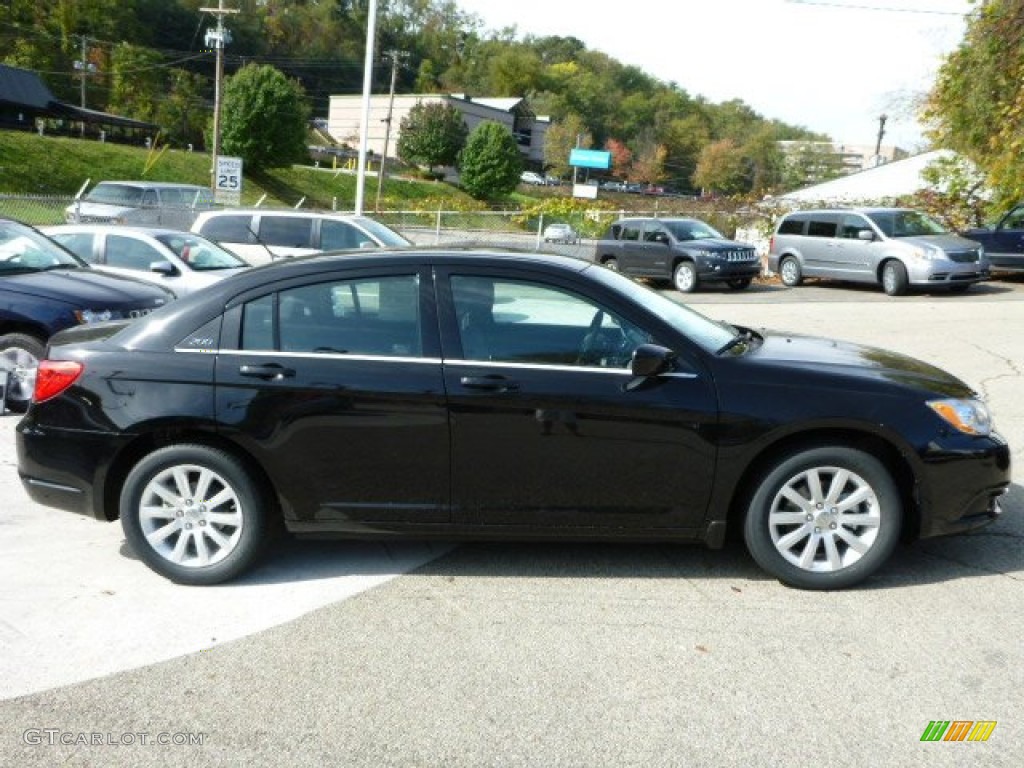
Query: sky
833, 66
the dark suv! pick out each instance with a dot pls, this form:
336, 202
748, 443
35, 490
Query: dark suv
45, 289
686, 251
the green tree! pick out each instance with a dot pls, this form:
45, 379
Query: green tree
490, 163
182, 115
721, 168
560, 139
264, 118
433, 133
137, 81
976, 106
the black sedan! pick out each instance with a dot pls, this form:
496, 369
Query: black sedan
496, 395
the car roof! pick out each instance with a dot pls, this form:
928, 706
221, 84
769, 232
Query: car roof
187, 313
151, 231
152, 184
280, 212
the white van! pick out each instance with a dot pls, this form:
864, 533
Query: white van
261, 235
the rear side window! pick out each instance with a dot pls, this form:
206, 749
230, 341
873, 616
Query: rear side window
791, 226
286, 231
79, 244
821, 228
228, 229
631, 231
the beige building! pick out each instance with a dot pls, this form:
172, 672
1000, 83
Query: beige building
345, 114
848, 158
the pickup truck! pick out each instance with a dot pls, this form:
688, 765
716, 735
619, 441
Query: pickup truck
1004, 243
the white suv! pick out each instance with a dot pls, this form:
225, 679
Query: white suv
260, 235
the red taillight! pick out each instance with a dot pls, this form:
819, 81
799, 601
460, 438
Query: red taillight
54, 376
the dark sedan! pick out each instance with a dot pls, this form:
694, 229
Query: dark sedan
497, 395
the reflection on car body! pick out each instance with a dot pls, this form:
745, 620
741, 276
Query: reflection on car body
469, 394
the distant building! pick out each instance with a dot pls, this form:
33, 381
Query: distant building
27, 104
344, 118
831, 159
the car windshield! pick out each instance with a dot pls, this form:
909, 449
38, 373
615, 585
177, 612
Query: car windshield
384, 235
905, 223
691, 230
115, 194
199, 253
710, 335
22, 249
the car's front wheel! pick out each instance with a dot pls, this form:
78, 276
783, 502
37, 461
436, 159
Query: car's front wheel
611, 263
194, 514
19, 356
824, 517
684, 277
894, 278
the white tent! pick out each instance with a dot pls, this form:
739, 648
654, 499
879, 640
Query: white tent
895, 179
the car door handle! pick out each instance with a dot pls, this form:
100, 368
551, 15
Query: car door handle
495, 383
269, 372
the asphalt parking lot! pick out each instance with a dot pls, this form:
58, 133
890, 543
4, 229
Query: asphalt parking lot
535, 655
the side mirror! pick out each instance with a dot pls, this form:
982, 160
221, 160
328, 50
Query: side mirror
865, 234
651, 360
164, 268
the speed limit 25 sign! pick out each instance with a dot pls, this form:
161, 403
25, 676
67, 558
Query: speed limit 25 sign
227, 185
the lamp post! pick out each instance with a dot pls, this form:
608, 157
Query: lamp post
364, 123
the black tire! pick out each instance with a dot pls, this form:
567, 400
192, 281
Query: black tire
796, 543
739, 283
790, 272
894, 278
684, 277
20, 355
612, 263
232, 533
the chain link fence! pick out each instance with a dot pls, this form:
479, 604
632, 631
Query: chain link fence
497, 229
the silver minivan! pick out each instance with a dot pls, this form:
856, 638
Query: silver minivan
897, 248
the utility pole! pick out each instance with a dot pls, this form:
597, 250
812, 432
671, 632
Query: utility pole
881, 133
394, 55
85, 68
218, 37
364, 121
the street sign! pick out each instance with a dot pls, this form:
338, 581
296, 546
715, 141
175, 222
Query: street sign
227, 182
590, 158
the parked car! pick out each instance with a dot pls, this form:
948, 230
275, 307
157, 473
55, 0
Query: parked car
45, 289
686, 251
897, 248
560, 233
469, 394
181, 261
530, 177
143, 203
1003, 243
260, 235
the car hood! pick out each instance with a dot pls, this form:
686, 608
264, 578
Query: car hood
855, 362
716, 244
947, 242
104, 210
87, 288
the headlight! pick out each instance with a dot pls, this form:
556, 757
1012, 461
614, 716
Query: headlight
968, 416
926, 252
95, 315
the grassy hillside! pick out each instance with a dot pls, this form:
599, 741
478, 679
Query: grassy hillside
43, 165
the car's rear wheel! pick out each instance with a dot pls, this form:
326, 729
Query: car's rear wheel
739, 283
19, 356
790, 272
611, 263
684, 277
894, 278
824, 518
194, 514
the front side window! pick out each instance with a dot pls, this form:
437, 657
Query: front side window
631, 231
852, 225
337, 235
1014, 219
517, 321
130, 253
377, 316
